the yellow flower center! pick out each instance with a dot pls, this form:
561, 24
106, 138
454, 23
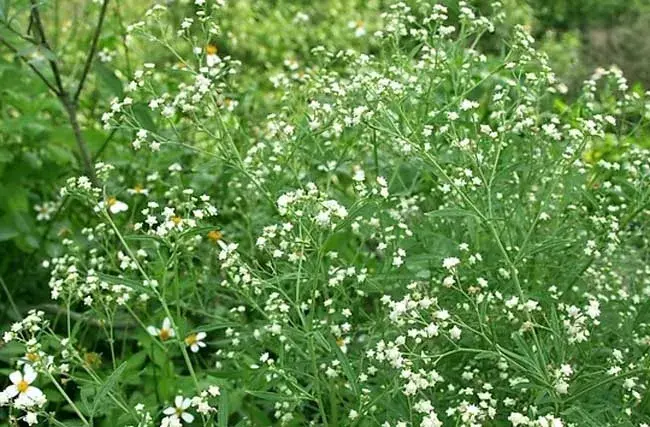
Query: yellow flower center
111, 201
177, 219
215, 236
164, 334
340, 342
32, 357
211, 49
138, 188
92, 359
22, 386
191, 339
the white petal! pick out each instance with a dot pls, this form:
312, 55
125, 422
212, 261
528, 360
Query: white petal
200, 335
172, 333
188, 418
153, 330
34, 393
118, 207
11, 391
178, 401
169, 411
186, 403
30, 374
201, 344
167, 324
16, 377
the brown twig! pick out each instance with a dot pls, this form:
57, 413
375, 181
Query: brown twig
36, 19
30, 65
91, 52
69, 103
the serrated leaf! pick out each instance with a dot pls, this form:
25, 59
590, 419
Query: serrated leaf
109, 384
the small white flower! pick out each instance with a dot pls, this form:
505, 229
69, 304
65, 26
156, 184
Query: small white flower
178, 411
450, 263
31, 418
28, 395
195, 341
115, 206
163, 333
518, 419
455, 333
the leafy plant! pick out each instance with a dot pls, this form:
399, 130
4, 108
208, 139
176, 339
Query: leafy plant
410, 232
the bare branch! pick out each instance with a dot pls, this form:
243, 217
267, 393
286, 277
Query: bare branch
91, 52
30, 65
18, 33
36, 19
68, 103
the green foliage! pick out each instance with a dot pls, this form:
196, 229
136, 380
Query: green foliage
320, 213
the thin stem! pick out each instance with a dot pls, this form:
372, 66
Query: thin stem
86, 158
36, 19
67, 398
10, 298
162, 301
30, 65
91, 52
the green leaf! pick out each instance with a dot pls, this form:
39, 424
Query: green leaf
347, 369
143, 117
110, 80
223, 409
451, 212
16, 199
60, 155
268, 395
109, 384
7, 231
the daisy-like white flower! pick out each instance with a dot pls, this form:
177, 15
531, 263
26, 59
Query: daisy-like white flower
138, 189
164, 333
115, 206
21, 388
195, 341
212, 58
179, 410
44, 212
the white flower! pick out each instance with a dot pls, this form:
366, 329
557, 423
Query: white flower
562, 387
31, 418
593, 310
450, 263
171, 421
195, 341
163, 333
21, 387
115, 206
518, 419
455, 333
177, 411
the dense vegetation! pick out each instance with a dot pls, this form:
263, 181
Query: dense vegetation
356, 213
